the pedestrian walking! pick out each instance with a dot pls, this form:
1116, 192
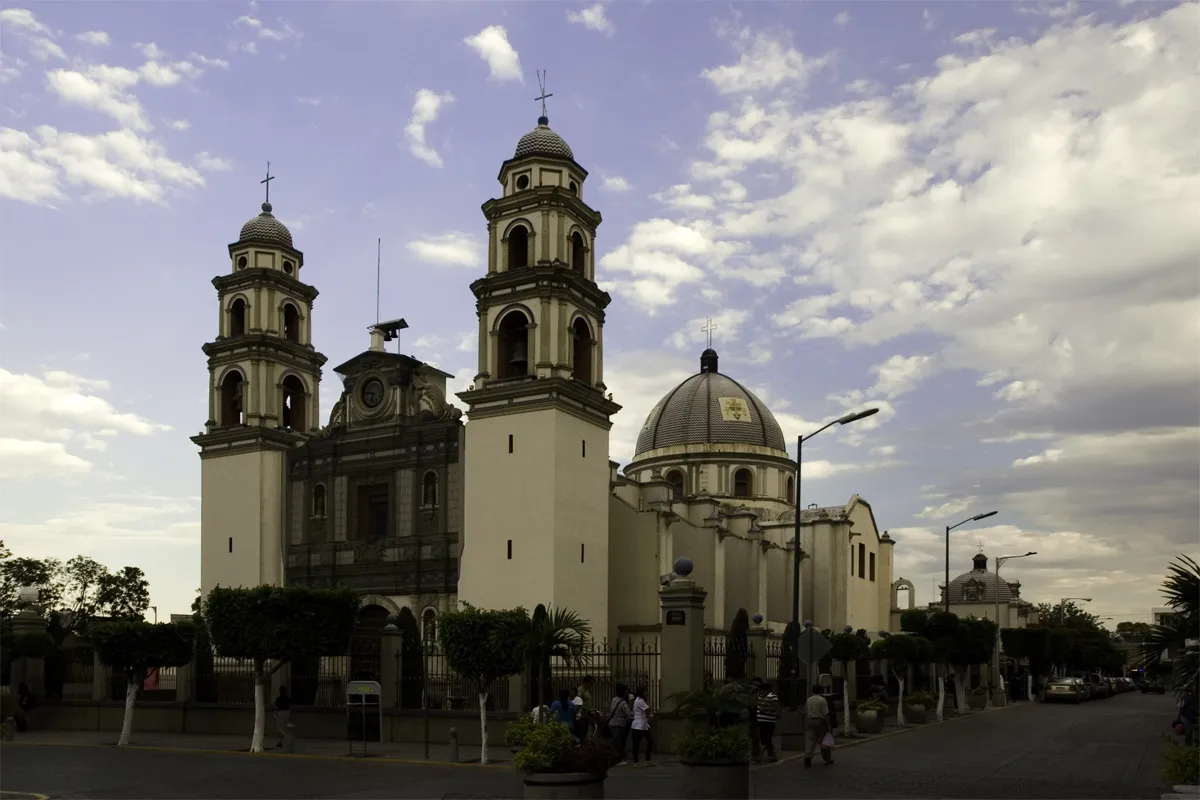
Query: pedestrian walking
283, 713
619, 717
641, 726
816, 729
767, 713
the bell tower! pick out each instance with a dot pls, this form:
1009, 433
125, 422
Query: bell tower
537, 471
263, 389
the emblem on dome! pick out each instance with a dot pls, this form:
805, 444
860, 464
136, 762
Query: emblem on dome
734, 409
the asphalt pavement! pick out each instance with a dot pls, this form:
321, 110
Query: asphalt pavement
1103, 749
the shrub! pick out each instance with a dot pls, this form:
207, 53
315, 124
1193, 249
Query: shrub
706, 744
551, 747
1181, 765
872, 705
518, 733
920, 699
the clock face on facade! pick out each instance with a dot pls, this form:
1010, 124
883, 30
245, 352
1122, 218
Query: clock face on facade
372, 393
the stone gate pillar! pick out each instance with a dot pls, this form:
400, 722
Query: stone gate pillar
682, 637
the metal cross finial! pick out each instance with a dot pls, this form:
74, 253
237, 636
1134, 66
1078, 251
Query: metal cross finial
267, 180
979, 545
541, 78
708, 328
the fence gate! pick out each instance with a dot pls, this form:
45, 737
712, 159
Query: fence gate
366, 653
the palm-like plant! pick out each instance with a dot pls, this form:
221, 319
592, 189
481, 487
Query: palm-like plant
714, 706
547, 633
1181, 590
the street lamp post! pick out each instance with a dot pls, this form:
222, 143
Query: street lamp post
1000, 561
1062, 607
800, 440
946, 588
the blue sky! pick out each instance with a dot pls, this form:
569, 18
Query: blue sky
978, 217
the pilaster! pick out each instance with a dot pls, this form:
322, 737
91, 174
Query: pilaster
682, 637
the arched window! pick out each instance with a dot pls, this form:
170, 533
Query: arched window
512, 351
429, 490
581, 352
318, 500
291, 323
675, 478
232, 389
429, 626
743, 483
518, 248
578, 253
791, 490
292, 417
237, 318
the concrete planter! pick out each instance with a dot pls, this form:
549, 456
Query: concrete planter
915, 714
869, 721
721, 780
563, 786
999, 699
977, 701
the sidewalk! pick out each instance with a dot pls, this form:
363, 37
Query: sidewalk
439, 752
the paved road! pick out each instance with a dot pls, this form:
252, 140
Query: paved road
1107, 749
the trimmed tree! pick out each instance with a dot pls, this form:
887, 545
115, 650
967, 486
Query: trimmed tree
941, 628
846, 649
479, 647
974, 645
789, 667
412, 660
273, 625
901, 651
737, 647
134, 648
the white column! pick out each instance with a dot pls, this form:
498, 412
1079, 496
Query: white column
718, 606
763, 574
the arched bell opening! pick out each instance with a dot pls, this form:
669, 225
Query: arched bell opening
291, 323
512, 351
743, 483
231, 396
578, 253
237, 317
675, 480
581, 351
518, 248
294, 397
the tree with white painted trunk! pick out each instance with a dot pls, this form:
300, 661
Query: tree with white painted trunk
974, 644
480, 647
942, 628
135, 648
272, 625
848, 647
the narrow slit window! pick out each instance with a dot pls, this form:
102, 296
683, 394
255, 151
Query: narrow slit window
581, 552
510, 443
231, 544
862, 557
583, 448
510, 549
872, 566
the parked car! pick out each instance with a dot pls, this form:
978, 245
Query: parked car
1100, 687
1066, 690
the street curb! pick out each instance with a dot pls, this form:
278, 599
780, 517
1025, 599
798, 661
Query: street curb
308, 756
5, 795
878, 736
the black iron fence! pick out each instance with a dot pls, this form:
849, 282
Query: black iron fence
320, 682
425, 679
222, 680
636, 665
725, 661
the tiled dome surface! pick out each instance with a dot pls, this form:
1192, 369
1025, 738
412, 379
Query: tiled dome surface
979, 585
691, 414
541, 141
265, 229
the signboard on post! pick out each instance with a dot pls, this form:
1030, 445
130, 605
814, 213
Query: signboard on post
813, 646
364, 713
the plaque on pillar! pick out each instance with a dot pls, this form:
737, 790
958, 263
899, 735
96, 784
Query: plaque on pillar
676, 616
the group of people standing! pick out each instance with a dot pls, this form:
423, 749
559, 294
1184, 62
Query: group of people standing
819, 724
626, 725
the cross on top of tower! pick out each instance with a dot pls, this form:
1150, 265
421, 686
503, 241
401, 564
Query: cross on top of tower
541, 78
709, 327
979, 545
267, 181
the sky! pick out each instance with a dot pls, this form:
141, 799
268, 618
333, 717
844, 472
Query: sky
979, 218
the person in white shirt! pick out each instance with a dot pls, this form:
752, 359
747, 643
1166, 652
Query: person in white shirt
581, 722
641, 725
816, 727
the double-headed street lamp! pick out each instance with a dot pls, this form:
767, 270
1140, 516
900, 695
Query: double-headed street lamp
996, 650
800, 440
946, 590
1062, 607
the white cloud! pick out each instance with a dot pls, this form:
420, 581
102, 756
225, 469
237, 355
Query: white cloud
280, 32
113, 164
179, 124
210, 163
726, 325
899, 374
44, 415
102, 88
615, 183
842, 20
452, 249
218, 63
426, 107
659, 256
681, 198
592, 18
309, 101
94, 38
491, 44
36, 36
765, 63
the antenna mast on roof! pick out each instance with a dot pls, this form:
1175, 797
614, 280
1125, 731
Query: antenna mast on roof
378, 261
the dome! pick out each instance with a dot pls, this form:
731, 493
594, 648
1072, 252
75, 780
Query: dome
980, 586
541, 141
710, 408
265, 229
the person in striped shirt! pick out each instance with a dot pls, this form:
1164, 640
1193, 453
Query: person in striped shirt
767, 712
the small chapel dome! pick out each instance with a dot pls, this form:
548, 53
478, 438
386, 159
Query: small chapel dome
541, 141
710, 408
979, 585
266, 229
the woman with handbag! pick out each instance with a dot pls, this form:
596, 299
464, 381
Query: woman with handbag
619, 717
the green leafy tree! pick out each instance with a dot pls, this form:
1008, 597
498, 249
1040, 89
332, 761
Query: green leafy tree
1133, 631
975, 644
124, 594
1181, 591
902, 651
1028, 643
273, 625
478, 649
942, 630
914, 621
134, 648
737, 647
412, 660
847, 648
546, 634
1066, 615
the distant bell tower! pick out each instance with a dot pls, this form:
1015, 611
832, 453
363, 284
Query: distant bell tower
537, 472
263, 388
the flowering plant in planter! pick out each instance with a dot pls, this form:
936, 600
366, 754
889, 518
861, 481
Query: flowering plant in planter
518, 732
552, 748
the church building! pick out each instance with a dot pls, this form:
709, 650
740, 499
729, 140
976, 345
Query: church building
400, 499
